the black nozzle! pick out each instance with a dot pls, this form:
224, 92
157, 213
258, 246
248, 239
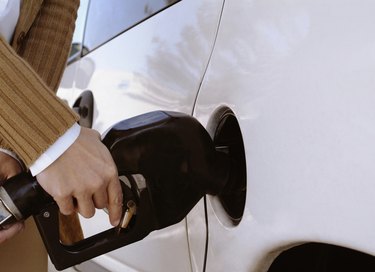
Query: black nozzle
177, 157
178, 161
23, 196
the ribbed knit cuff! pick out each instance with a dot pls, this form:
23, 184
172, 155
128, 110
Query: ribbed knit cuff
55, 150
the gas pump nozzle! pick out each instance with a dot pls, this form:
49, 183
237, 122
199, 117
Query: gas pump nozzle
168, 161
20, 197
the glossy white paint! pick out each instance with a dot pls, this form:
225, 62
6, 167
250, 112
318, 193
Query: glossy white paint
156, 65
300, 77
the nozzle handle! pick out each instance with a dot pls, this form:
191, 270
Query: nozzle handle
24, 197
176, 157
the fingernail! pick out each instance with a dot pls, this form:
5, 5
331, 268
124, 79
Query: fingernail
116, 222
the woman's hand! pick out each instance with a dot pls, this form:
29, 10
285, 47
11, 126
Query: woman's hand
9, 167
83, 178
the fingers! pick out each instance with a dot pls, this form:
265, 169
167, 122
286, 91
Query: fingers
113, 192
84, 177
66, 204
100, 199
85, 206
8, 233
114, 202
85, 202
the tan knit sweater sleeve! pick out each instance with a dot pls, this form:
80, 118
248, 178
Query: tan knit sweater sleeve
31, 116
47, 44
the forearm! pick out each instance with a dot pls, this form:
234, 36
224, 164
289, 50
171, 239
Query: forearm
31, 116
47, 43
55, 150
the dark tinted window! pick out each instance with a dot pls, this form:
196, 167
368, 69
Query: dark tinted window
108, 18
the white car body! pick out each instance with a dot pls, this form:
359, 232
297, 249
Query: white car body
298, 75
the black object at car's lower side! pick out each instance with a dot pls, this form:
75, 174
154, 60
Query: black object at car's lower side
317, 257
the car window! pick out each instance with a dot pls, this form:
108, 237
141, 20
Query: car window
106, 19
77, 40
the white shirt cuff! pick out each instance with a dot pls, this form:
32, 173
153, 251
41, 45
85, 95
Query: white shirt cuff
55, 150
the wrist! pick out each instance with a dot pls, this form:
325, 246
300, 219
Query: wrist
14, 156
55, 150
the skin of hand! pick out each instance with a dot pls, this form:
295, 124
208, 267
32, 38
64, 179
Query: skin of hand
8, 168
83, 178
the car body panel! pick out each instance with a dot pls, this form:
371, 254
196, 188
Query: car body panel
158, 64
300, 78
